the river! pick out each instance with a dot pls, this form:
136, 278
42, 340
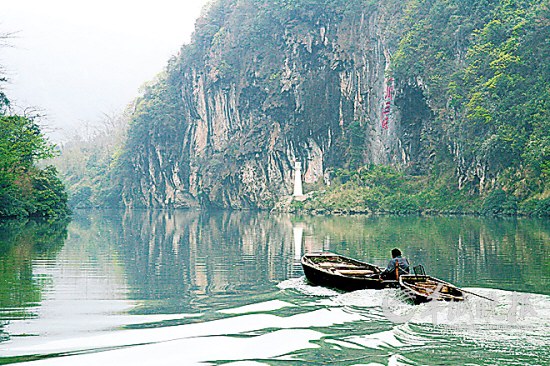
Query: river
212, 288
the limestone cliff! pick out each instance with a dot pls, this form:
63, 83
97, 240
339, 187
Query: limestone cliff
267, 83
259, 89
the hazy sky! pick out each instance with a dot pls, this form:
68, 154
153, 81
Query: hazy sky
78, 59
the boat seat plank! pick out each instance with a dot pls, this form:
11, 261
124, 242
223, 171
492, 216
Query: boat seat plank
356, 272
339, 265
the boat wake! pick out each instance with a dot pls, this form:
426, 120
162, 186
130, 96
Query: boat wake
520, 320
302, 286
366, 324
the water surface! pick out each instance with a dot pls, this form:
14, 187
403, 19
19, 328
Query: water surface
187, 287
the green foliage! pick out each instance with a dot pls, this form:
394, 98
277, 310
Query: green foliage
21, 143
49, 197
25, 189
372, 176
536, 207
356, 190
88, 164
499, 202
384, 189
502, 84
81, 197
401, 204
542, 208
296, 205
485, 72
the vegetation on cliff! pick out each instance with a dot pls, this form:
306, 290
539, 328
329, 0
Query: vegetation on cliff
482, 68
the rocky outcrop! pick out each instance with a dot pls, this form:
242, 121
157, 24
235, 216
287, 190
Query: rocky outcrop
260, 88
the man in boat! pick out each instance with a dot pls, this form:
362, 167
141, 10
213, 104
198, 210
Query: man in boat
396, 267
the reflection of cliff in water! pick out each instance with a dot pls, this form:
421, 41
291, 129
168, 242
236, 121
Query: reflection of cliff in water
186, 256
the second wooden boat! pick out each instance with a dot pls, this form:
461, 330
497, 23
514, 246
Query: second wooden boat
421, 288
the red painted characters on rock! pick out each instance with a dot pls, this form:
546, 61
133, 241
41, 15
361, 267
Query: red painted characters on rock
388, 97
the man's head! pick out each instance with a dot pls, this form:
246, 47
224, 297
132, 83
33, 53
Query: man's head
395, 253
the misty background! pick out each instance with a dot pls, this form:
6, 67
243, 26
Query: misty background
77, 61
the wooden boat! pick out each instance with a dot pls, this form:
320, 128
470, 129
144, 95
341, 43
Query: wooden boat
421, 288
343, 273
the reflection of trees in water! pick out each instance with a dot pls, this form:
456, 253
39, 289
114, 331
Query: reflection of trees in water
21, 241
188, 255
514, 249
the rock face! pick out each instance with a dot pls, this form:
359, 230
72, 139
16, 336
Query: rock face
264, 85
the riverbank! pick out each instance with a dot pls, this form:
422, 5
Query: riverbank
384, 190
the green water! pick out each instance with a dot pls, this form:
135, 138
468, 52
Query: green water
186, 288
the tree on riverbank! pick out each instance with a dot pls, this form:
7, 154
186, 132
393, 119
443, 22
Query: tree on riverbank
86, 163
25, 188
